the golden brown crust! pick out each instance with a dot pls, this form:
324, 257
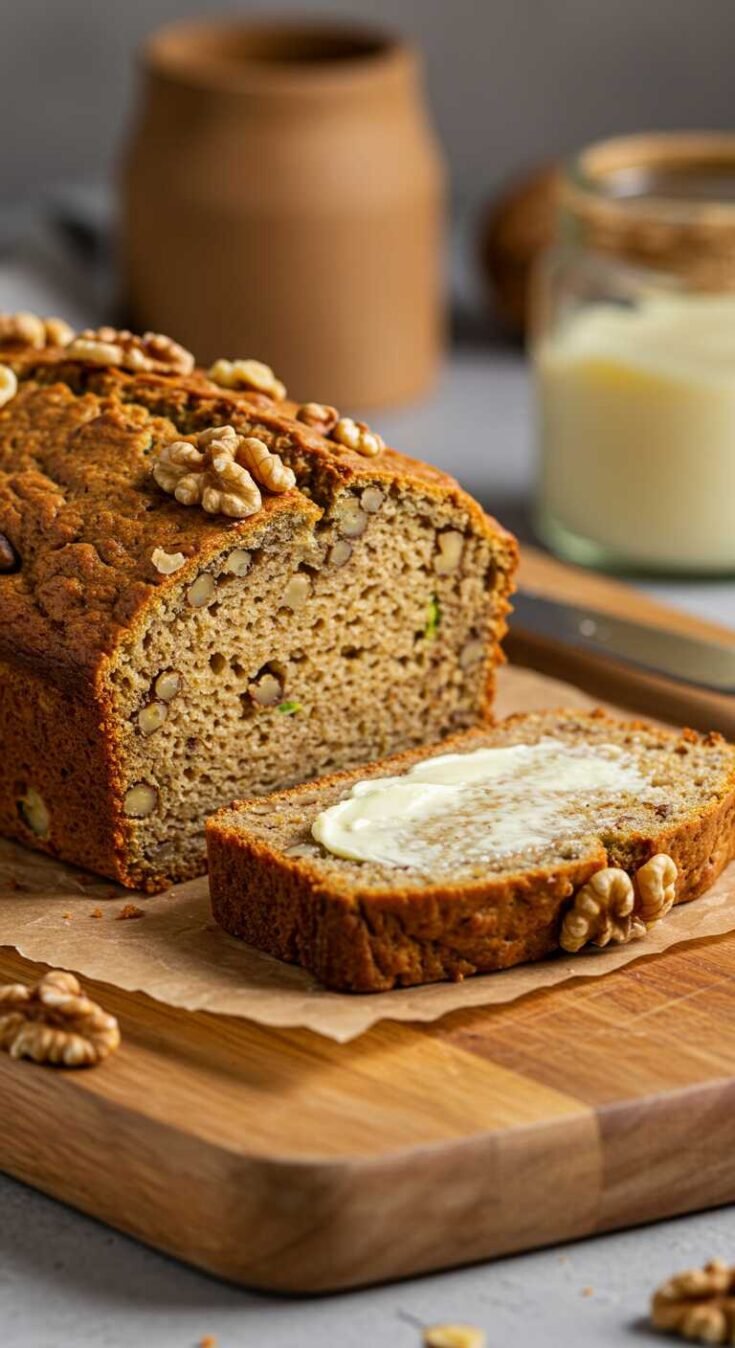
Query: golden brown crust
72, 771
79, 507
80, 520
375, 939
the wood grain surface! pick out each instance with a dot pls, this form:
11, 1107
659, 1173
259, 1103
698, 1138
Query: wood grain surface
284, 1161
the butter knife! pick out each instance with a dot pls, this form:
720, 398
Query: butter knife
706, 664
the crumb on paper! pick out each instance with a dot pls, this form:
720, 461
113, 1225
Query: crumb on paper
209, 1341
129, 911
96, 912
588, 1291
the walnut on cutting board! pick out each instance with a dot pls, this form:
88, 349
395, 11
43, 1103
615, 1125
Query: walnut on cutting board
54, 1022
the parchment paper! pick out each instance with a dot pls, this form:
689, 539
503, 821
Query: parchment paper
50, 913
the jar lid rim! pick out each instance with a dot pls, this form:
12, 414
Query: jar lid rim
669, 226
280, 55
595, 171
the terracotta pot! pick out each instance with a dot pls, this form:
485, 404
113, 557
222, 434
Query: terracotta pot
283, 199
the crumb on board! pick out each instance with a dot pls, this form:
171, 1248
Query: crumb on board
129, 911
96, 912
67, 916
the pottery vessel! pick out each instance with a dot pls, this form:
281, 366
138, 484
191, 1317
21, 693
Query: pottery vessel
283, 198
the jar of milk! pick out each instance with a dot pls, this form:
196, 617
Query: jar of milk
634, 357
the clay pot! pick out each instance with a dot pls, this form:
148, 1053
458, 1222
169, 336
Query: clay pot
283, 199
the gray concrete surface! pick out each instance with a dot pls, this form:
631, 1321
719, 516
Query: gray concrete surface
66, 1282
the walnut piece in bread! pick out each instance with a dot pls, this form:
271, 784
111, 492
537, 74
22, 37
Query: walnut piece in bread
111, 589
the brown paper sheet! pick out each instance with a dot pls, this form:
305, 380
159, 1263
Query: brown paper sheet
176, 954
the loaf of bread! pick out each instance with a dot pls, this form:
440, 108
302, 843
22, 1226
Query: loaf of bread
583, 829
208, 592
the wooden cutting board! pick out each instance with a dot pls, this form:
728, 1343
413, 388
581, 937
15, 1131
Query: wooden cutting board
281, 1160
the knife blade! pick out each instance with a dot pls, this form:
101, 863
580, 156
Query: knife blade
706, 664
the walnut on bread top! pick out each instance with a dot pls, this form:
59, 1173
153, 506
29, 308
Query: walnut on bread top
25, 329
8, 384
105, 346
154, 351
247, 374
221, 471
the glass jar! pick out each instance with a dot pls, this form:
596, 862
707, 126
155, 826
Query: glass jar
634, 358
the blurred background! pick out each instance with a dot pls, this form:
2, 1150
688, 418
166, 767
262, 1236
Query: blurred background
218, 197
511, 81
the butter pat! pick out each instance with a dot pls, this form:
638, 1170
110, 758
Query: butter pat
468, 809
638, 430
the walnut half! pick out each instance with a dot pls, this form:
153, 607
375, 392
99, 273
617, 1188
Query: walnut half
8, 384
220, 470
54, 1022
698, 1304
357, 436
251, 375
655, 886
120, 348
24, 329
602, 912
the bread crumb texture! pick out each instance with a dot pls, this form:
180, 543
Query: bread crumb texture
142, 638
614, 868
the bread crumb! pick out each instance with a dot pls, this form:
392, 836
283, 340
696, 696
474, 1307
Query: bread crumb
454, 1336
588, 1291
209, 1341
96, 912
128, 911
67, 916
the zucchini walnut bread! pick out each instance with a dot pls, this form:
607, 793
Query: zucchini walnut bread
208, 592
551, 830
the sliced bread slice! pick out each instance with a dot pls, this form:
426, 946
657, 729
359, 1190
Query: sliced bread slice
460, 865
